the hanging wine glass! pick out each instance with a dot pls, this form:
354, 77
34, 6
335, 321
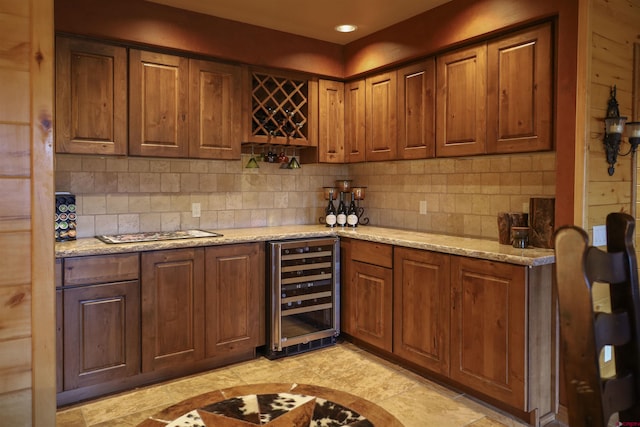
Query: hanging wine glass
283, 159
252, 163
293, 163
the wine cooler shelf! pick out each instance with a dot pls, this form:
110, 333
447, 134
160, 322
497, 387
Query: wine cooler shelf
304, 293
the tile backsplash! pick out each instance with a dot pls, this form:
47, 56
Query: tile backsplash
462, 195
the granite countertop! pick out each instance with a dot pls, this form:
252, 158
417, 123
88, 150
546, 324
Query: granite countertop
465, 246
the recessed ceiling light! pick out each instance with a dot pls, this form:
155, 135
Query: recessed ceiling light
346, 28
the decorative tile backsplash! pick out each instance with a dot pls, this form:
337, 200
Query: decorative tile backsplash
463, 195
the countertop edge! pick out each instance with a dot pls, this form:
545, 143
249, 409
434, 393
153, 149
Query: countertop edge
464, 246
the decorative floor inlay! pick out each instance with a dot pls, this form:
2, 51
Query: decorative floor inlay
274, 405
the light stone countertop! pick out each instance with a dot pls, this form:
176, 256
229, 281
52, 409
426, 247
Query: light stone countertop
465, 246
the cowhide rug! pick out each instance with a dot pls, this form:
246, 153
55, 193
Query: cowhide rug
273, 405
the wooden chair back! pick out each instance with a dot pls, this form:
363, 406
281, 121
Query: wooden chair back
591, 399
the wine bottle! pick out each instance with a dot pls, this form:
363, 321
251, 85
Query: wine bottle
330, 212
352, 213
341, 218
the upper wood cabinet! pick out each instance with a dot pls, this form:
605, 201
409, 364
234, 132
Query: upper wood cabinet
496, 97
331, 123
416, 110
283, 109
158, 104
381, 117
354, 121
519, 92
91, 97
215, 110
461, 115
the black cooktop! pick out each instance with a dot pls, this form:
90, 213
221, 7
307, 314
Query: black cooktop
154, 236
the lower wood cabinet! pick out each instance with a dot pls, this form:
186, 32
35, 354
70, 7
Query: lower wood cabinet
172, 307
101, 333
488, 328
59, 341
367, 290
100, 320
485, 326
200, 303
421, 308
371, 289
235, 299
125, 320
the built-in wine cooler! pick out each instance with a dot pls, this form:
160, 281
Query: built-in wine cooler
303, 295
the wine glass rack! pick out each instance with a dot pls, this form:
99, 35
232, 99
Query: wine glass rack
280, 109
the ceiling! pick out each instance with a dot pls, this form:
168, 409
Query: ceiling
312, 18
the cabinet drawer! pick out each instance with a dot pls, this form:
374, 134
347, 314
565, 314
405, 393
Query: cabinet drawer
372, 253
100, 269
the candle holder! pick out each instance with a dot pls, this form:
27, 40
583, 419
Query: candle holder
520, 237
358, 195
344, 186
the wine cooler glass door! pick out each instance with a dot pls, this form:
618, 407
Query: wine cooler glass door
305, 291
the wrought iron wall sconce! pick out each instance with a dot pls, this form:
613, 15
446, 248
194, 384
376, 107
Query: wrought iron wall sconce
614, 127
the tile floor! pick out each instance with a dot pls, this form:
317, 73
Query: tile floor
412, 399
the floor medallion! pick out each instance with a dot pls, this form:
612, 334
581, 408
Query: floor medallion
273, 405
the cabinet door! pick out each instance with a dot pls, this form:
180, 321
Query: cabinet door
488, 328
520, 99
101, 333
235, 298
421, 308
354, 121
381, 117
416, 110
370, 292
59, 341
91, 97
461, 112
172, 307
158, 104
331, 122
215, 110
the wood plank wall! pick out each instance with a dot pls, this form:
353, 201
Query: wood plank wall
636, 117
27, 350
614, 29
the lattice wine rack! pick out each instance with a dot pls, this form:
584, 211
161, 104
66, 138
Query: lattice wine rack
280, 112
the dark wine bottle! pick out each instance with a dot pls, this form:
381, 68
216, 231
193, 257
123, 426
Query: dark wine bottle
330, 212
352, 213
341, 218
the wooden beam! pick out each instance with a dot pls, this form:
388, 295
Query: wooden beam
42, 58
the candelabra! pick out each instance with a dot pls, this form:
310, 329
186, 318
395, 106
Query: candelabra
343, 187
